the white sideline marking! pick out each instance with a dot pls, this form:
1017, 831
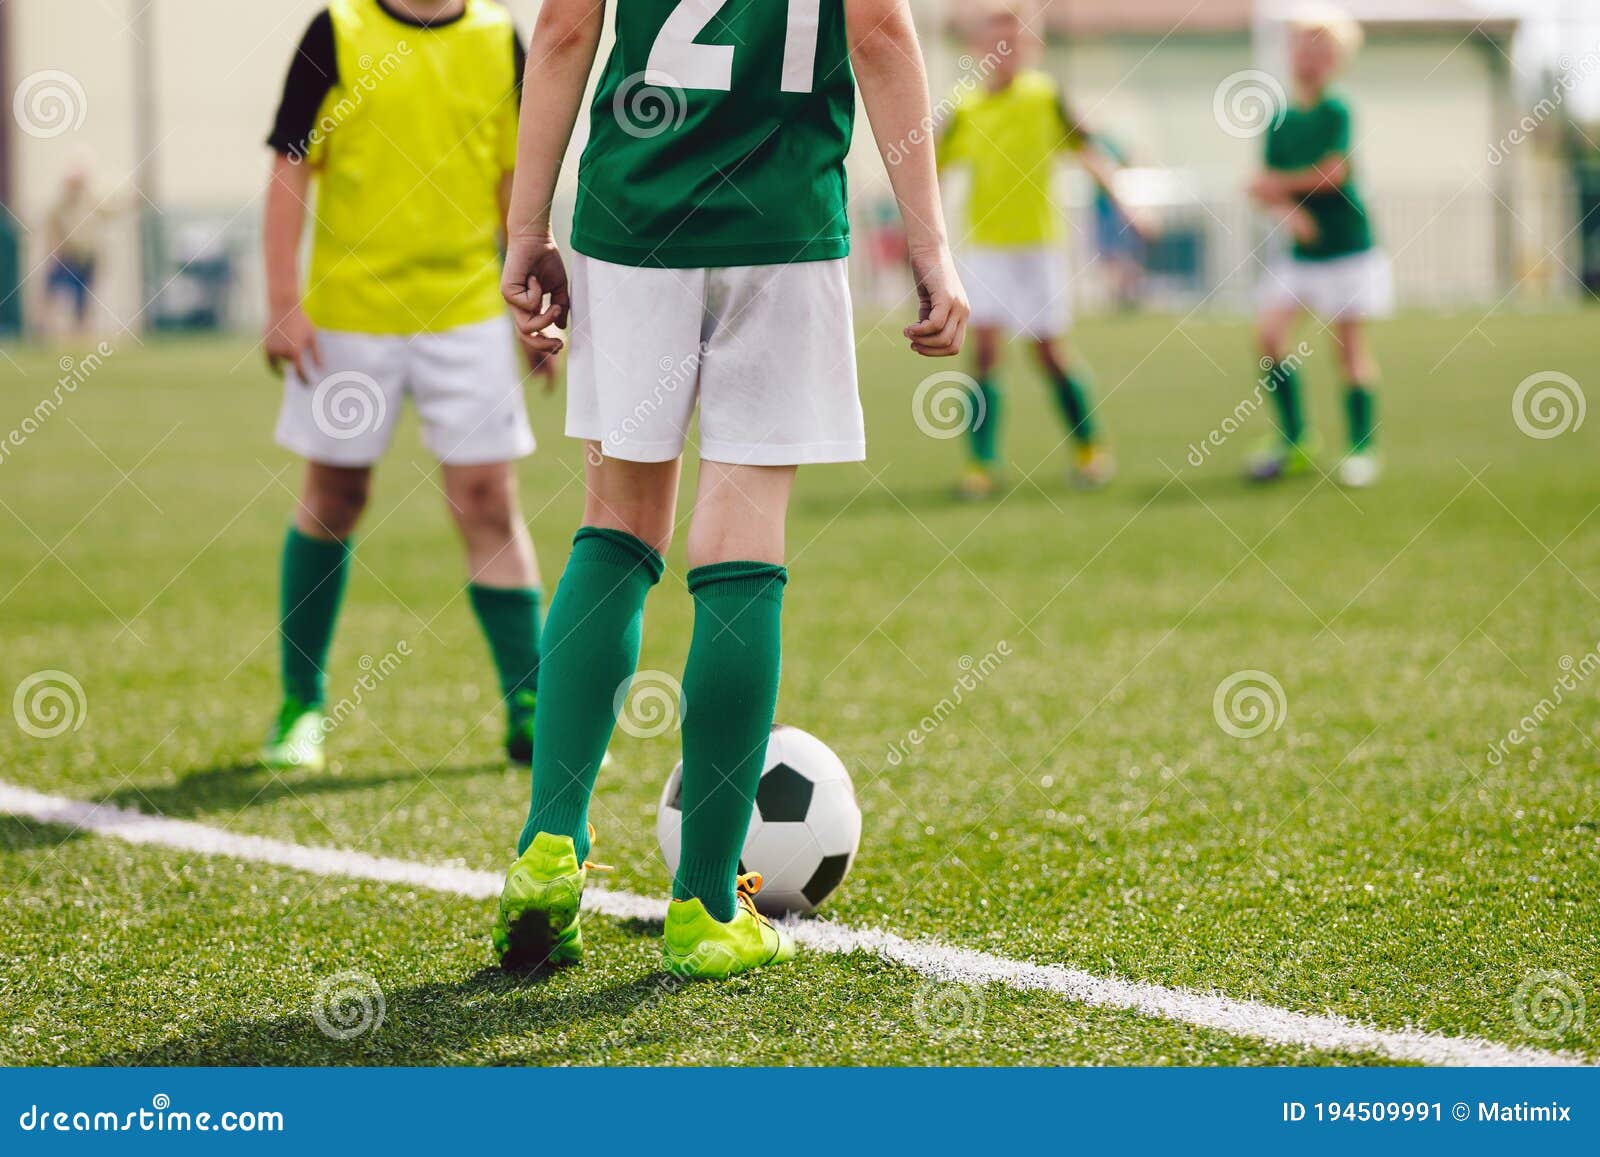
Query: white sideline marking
1243, 1018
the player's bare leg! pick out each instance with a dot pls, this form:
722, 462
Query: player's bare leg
503, 587
591, 647
730, 692
1291, 450
316, 557
1093, 463
1359, 468
983, 431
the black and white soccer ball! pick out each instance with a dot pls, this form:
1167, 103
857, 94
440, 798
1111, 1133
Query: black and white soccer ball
805, 830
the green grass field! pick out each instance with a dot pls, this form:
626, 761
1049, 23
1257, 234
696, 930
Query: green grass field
1083, 806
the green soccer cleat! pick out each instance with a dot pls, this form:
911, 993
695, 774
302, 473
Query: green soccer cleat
1279, 459
519, 729
537, 925
295, 741
700, 947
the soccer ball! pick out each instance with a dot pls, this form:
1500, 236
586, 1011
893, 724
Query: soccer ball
805, 830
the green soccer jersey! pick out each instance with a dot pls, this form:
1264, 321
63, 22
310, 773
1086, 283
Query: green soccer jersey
1304, 137
718, 134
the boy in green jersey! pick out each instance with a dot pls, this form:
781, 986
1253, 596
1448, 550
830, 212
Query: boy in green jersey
1009, 132
710, 235
1334, 269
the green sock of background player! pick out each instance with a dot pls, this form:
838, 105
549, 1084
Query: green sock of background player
1284, 382
312, 587
1072, 395
983, 432
1361, 408
730, 691
591, 647
509, 617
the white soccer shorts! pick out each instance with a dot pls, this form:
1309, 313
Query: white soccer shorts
466, 383
766, 352
1023, 290
1353, 288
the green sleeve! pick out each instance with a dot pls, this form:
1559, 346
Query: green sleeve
1338, 127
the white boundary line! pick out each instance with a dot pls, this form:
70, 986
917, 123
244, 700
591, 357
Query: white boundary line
1243, 1018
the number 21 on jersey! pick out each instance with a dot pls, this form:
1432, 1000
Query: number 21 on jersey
676, 60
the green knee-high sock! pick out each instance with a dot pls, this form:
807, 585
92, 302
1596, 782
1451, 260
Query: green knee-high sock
1072, 395
509, 617
983, 434
730, 691
1361, 406
1284, 382
591, 646
312, 587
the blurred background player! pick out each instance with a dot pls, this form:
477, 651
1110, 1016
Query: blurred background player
74, 228
697, 245
1334, 268
1008, 132
405, 113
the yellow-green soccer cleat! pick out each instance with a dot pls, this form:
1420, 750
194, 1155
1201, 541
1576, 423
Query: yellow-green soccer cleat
537, 925
1277, 459
295, 740
700, 947
1093, 466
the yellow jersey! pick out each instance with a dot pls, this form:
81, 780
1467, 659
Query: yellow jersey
410, 143
1008, 140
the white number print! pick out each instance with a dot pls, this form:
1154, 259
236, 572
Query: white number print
676, 60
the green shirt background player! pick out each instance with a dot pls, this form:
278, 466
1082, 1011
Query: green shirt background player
1333, 268
402, 115
709, 274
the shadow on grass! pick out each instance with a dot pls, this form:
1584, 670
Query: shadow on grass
435, 1023
230, 787
19, 835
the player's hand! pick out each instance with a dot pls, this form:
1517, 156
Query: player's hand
541, 363
1303, 227
291, 339
1144, 226
1266, 188
535, 287
941, 306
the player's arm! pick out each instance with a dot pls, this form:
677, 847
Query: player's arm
289, 335
565, 40
1328, 175
894, 88
1103, 167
